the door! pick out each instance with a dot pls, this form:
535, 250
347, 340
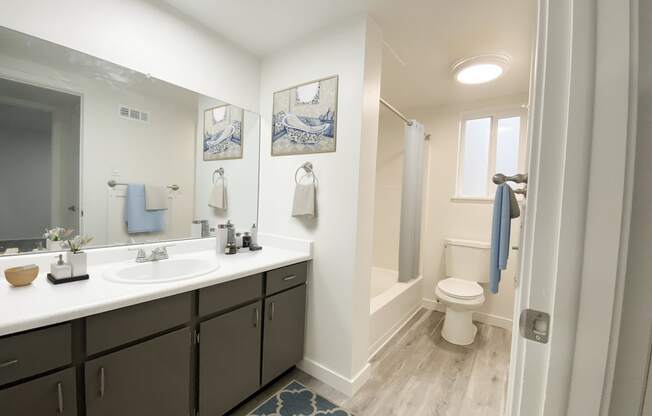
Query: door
229, 359
284, 332
53, 395
578, 152
151, 378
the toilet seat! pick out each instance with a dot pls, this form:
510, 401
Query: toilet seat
460, 288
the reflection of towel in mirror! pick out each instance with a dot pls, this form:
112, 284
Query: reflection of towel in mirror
304, 200
140, 220
218, 195
156, 197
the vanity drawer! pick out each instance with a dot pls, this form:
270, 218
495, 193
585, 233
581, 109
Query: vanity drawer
286, 277
34, 352
115, 328
229, 294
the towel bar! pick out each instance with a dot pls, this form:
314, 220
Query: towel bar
113, 184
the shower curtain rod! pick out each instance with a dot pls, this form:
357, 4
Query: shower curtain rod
395, 111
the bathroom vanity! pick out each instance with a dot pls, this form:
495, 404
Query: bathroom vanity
201, 351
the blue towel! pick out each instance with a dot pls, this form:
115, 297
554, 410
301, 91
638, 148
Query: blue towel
505, 208
140, 220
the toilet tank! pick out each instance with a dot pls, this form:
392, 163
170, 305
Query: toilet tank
468, 260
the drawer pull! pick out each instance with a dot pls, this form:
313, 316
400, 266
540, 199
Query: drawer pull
256, 317
272, 311
290, 277
8, 363
101, 381
60, 398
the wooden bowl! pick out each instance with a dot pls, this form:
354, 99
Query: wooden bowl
22, 275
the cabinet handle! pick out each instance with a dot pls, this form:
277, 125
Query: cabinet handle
101, 381
290, 277
8, 363
272, 311
60, 398
256, 317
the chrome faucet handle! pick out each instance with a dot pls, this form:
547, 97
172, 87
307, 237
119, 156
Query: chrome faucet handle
141, 256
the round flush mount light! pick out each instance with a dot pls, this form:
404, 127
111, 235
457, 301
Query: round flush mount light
480, 69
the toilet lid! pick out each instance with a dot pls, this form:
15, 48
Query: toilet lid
460, 288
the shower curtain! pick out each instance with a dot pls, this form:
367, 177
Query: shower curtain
411, 199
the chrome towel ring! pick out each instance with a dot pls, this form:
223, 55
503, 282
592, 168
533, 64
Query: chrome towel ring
219, 171
308, 168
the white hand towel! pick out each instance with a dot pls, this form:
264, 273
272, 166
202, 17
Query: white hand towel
218, 195
156, 197
304, 200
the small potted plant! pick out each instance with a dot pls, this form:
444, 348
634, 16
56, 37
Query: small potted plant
54, 237
75, 257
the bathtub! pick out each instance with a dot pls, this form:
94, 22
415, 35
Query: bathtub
391, 305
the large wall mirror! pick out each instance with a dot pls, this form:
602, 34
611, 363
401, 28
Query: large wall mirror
101, 150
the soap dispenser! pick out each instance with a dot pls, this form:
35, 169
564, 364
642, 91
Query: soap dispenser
60, 270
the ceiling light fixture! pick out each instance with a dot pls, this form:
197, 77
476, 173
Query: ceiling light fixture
480, 69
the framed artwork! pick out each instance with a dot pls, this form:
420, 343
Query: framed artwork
223, 132
304, 118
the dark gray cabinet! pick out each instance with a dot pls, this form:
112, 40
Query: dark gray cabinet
150, 378
229, 359
52, 395
283, 332
146, 359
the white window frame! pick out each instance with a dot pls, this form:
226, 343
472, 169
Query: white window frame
494, 115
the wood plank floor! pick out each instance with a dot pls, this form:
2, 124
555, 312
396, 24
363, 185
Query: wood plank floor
419, 373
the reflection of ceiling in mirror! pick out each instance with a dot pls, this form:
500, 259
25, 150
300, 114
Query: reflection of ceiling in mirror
24, 47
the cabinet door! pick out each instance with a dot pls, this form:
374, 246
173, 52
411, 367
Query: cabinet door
229, 359
151, 378
284, 332
52, 395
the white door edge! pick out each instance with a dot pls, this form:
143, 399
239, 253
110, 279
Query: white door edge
565, 192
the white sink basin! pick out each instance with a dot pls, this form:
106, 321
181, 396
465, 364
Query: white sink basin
161, 271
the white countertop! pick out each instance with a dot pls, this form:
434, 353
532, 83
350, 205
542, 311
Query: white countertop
42, 303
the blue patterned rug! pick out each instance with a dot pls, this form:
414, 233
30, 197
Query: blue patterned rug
295, 399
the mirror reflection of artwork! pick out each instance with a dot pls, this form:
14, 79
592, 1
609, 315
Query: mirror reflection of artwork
223, 133
305, 118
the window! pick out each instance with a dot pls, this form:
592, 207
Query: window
489, 143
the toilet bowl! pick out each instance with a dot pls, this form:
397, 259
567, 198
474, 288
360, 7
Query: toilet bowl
467, 265
460, 297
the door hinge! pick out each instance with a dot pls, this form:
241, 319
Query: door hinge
196, 337
534, 325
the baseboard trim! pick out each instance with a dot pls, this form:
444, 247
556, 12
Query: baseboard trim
391, 333
334, 379
485, 318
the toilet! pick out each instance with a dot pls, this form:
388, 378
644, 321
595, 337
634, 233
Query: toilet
467, 265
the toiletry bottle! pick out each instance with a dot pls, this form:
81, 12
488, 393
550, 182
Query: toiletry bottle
238, 240
222, 234
246, 240
60, 270
254, 235
231, 247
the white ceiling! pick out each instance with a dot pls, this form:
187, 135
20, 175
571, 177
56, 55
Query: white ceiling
428, 36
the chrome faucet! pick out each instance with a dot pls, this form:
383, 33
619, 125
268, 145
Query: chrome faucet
158, 253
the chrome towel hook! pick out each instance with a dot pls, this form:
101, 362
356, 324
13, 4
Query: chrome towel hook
308, 168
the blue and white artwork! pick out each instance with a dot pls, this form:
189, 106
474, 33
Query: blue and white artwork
304, 118
223, 133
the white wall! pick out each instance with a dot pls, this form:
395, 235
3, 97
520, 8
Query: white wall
338, 299
389, 177
145, 36
464, 220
